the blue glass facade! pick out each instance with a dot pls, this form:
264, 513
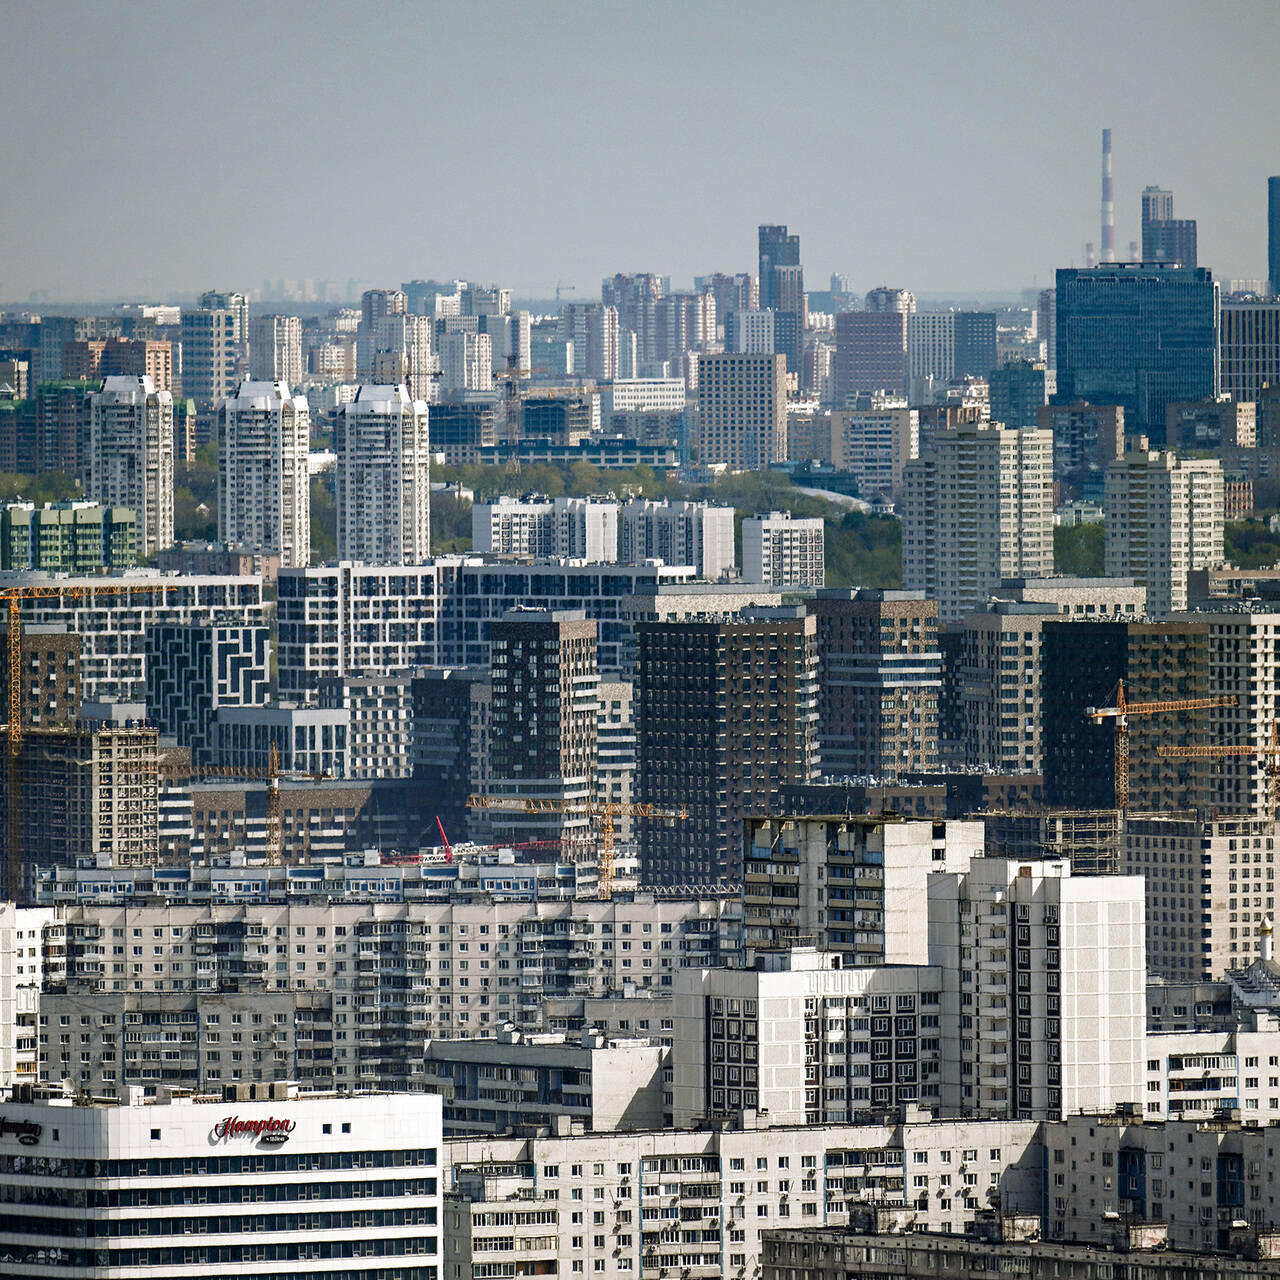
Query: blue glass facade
1138, 335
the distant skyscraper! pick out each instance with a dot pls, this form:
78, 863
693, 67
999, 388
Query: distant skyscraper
742, 409
636, 298
466, 362
1165, 238
593, 329
213, 346
782, 289
977, 509
1019, 390
264, 494
131, 456
749, 331
887, 299
1138, 335
384, 477
975, 346
1250, 347
871, 353
1273, 234
931, 345
275, 349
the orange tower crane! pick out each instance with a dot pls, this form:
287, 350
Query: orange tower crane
13, 598
603, 811
1121, 712
1270, 753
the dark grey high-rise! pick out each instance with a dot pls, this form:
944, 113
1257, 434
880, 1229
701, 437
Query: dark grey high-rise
782, 290
1164, 237
1273, 234
1137, 334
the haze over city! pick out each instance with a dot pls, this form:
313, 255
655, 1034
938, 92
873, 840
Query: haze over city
156, 149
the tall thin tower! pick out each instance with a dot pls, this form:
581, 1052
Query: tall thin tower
1108, 202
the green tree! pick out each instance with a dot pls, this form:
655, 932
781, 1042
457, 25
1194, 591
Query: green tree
324, 520
1080, 550
1250, 544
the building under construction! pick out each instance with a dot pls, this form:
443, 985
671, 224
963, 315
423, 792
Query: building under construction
85, 791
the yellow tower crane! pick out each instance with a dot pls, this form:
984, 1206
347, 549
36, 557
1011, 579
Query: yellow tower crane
603, 811
1270, 752
1121, 712
12, 598
275, 802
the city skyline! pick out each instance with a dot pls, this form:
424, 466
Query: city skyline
987, 179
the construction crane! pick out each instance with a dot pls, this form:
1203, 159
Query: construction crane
603, 811
275, 804
13, 598
1121, 712
1270, 753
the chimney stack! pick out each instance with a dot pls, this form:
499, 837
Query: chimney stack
1108, 202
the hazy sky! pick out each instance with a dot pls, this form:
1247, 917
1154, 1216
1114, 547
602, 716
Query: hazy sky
149, 148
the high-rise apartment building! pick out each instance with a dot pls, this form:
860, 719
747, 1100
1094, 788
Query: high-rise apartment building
466, 361
975, 343
873, 441
871, 353
214, 338
67, 537
977, 509
885, 298
749, 331
636, 299
544, 719
931, 345
693, 533
1086, 437
742, 410
1164, 237
782, 290
275, 349
783, 550
1164, 518
131, 456
195, 670
1052, 968
578, 528
592, 328
384, 477
879, 679
1137, 335
264, 493
725, 714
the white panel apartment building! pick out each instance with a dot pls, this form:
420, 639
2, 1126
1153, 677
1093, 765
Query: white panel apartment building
206, 995
782, 550
131, 456
1046, 975
275, 349
294, 1184
466, 361
694, 533
581, 528
1164, 518
264, 488
384, 477
977, 508
642, 1206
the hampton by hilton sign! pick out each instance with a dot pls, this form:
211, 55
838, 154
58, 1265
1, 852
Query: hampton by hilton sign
26, 1131
271, 1130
